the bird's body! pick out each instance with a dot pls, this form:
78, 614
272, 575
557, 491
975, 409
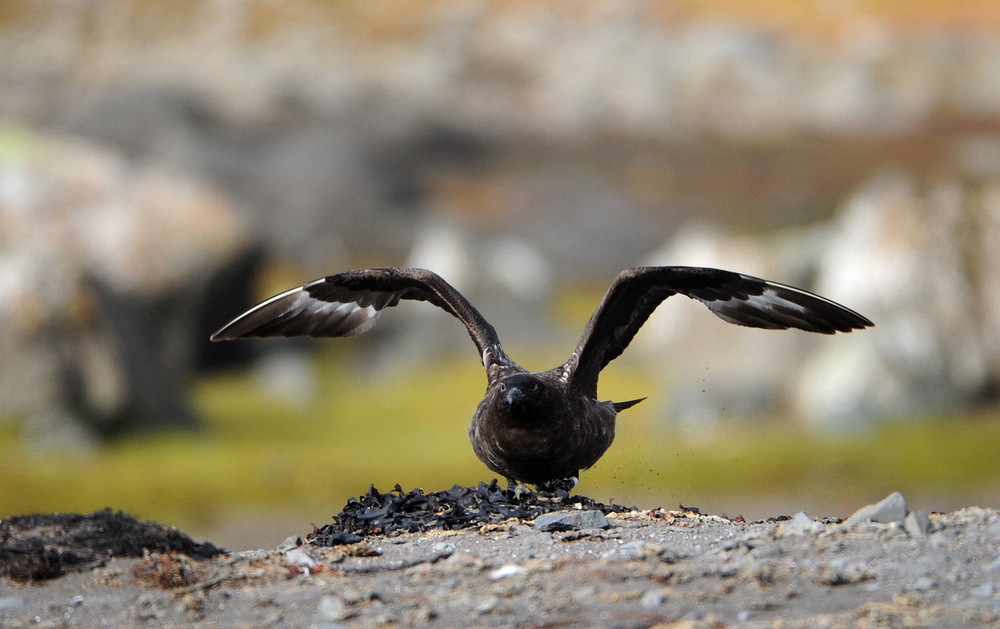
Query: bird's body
533, 428
544, 426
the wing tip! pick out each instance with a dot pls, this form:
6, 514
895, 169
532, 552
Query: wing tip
253, 322
856, 322
223, 334
237, 328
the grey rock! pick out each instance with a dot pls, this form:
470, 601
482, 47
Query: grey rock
844, 571
801, 524
917, 523
486, 605
258, 554
670, 555
443, 549
895, 530
928, 564
923, 584
134, 240
891, 509
760, 550
302, 557
628, 551
333, 608
9, 602
571, 521
986, 590
992, 566
945, 539
652, 599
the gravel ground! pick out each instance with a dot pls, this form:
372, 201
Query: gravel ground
883, 566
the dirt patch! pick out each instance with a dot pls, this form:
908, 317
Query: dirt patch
44, 546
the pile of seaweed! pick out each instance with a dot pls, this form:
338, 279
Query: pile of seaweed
43, 546
396, 512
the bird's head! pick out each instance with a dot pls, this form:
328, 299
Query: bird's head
523, 394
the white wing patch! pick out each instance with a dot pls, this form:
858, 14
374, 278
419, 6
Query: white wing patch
778, 306
771, 297
333, 318
765, 301
296, 313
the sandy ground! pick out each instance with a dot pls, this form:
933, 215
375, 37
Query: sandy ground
634, 569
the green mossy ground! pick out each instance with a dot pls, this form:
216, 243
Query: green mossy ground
257, 454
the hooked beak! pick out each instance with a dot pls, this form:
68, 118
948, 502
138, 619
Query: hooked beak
514, 396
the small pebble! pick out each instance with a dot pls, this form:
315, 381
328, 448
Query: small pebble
896, 529
890, 509
333, 608
992, 566
487, 605
443, 548
302, 557
917, 524
507, 570
800, 524
253, 555
652, 599
986, 590
923, 584
571, 521
670, 555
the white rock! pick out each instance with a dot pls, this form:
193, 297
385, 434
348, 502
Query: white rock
890, 509
333, 608
652, 599
507, 570
800, 524
571, 520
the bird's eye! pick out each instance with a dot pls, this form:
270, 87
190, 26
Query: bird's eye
503, 388
533, 386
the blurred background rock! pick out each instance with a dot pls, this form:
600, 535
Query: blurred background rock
164, 164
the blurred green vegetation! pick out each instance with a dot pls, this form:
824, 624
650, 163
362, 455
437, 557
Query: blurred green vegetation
259, 455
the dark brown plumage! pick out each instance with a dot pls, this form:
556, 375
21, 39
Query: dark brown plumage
545, 426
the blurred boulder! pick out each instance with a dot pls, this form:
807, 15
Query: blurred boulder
711, 368
982, 241
923, 267
316, 187
104, 269
505, 277
324, 189
922, 264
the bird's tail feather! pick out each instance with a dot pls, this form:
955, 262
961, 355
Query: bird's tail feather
621, 406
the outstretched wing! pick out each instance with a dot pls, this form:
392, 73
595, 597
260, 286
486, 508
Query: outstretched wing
348, 304
734, 297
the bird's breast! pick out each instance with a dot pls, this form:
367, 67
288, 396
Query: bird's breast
549, 444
